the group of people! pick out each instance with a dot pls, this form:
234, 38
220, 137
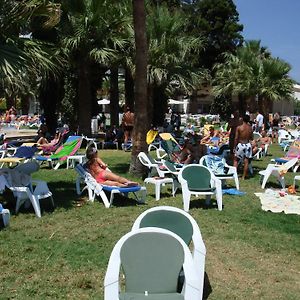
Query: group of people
116, 133
239, 136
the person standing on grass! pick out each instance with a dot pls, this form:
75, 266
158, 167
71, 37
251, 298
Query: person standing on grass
232, 126
259, 122
275, 126
242, 145
127, 123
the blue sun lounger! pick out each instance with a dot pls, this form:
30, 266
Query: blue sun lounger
96, 189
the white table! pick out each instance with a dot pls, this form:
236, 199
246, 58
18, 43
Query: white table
158, 181
73, 158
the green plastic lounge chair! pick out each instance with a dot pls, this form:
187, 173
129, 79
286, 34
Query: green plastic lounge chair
151, 260
218, 166
69, 148
199, 180
181, 223
171, 167
96, 189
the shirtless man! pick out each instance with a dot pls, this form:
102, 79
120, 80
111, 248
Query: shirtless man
242, 145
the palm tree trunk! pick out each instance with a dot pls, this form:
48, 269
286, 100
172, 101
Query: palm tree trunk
84, 98
50, 96
141, 120
129, 88
242, 104
114, 96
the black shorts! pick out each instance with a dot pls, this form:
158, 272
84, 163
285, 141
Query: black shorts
128, 128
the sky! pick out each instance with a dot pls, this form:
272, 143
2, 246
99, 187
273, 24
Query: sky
276, 23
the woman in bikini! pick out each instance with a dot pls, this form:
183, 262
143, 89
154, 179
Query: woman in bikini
98, 170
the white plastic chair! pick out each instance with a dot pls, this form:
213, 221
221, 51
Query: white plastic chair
231, 174
278, 171
182, 224
151, 259
35, 191
199, 180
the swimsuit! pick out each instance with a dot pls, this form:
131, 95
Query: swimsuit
243, 150
101, 177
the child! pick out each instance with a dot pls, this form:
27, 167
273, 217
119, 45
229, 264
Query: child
97, 168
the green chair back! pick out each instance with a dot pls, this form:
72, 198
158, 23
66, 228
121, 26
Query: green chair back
197, 177
170, 166
151, 262
170, 220
151, 159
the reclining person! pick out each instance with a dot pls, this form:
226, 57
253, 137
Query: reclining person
98, 170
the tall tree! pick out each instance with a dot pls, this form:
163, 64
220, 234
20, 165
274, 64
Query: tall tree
253, 73
141, 122
94, 34
173, 55
217, 20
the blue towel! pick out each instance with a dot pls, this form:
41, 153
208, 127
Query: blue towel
233, 191
122, 189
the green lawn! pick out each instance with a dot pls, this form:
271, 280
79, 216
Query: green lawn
251, 254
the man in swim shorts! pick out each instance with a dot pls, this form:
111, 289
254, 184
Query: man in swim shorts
242, 145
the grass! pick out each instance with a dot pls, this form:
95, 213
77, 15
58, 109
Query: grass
251, 254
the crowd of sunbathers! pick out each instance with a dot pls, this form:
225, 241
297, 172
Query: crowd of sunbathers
11, 119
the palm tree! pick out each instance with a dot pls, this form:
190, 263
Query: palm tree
23, 59
173, 55
139, 135
94, 37
251, 73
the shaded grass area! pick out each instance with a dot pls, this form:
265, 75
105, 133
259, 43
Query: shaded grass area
251, 254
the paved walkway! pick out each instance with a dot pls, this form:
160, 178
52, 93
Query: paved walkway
12, 133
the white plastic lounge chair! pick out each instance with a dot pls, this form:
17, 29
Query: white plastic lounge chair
182, 224
199, 180
230, 174
96, 189
152, 165
151, 260
278, 171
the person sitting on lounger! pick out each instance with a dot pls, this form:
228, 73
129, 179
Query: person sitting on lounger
210, 136
98, 170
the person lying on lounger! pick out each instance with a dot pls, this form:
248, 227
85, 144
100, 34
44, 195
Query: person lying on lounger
45, 143
98, 170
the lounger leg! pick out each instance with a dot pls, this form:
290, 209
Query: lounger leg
282, 182
186, 200
236, 179
265, 179
91, 195
157, 191
35, 203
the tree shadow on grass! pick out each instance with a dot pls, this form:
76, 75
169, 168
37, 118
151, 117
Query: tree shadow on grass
201, 203
207, 289
122, 200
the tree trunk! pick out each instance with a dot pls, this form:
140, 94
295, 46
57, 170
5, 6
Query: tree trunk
84, 98
114, 96
159, 100
50, 96
129, 89
242, 104
141, 120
